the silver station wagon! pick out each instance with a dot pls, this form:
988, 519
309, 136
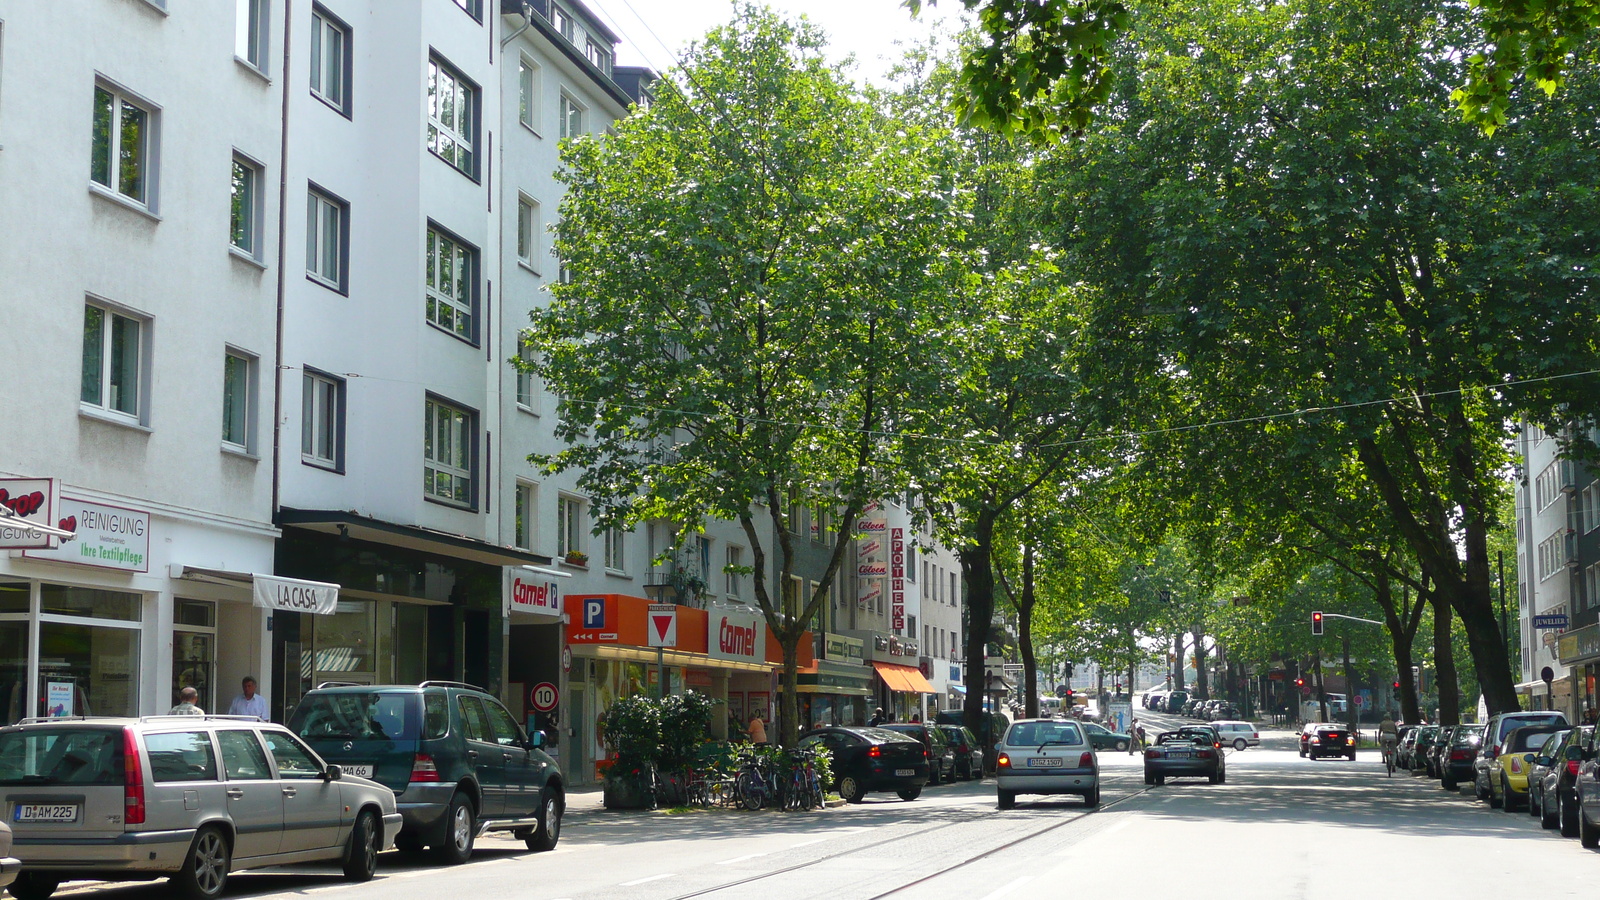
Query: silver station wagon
189, 797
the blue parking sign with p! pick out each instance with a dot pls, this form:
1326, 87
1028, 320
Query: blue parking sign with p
594, 613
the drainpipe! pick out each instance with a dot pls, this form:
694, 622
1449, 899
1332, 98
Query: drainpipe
283, 219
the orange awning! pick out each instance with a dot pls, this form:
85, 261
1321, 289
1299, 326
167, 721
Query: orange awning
907, 679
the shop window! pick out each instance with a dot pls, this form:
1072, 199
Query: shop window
66, 600
88, 670
14, 597
194, 646
14, 666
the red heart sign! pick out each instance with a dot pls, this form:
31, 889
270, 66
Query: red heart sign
70, 523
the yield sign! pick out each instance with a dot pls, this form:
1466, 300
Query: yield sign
662, 625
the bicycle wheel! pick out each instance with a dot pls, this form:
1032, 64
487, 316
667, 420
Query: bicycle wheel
751, 790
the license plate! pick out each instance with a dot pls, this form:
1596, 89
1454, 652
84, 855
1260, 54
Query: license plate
1177, 754
1044, 762
360, 770
904, 773
45, 812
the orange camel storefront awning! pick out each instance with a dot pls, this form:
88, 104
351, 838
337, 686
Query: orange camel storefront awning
903, 678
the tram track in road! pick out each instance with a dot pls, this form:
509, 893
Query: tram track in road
966, 819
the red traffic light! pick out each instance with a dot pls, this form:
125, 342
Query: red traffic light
1299, 682
1316, 622
1397, 685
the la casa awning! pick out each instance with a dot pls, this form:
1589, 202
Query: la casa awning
907, 679
270, 591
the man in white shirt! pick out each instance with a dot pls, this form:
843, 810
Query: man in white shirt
249, 703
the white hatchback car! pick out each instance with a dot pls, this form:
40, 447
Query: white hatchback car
1237, 735
1046, 756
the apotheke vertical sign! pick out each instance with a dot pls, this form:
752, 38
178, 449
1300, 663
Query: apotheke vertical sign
897, 578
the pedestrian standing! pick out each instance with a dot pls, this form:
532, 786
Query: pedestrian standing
757, 730
188, 699
249, 703
877, 718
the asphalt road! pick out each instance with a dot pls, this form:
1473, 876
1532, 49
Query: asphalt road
1281, 827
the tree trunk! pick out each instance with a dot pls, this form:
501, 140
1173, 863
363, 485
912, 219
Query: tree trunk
1473, 602
1401, 622
1444, 663
1349, 681
1322, 690
1202, 682
789, 707
1177, 661
976, 567
1030, 665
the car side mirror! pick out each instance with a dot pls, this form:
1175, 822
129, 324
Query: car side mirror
536, 740
1574, 754
334, 772
1528, 757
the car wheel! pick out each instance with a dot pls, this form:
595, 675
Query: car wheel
1161, 780
1215, 777
1006, 799
1092, 799
1480, 789
1496, 802
1508, 800
1352, 756
460, 831
1588, 835
1567, 815
850, 789
548, 831
361, 856
1240, 743
1122, 745
205, 868
1547, 815
1149, 779
34, 886
909, 793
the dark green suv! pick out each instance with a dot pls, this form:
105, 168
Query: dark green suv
457, 761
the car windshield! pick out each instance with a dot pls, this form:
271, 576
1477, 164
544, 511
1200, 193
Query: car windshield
1506, 725
61, 756
358, 716
1036, 734
1467, 735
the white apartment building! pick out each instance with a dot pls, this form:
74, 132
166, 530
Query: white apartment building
139, 158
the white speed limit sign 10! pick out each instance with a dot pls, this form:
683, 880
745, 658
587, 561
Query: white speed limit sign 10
543, 697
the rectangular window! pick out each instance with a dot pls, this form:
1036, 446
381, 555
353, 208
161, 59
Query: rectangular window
616, 540
245, 207
322, 421
327, 236
563, 22
600, 56
472, 8
120, 159
527, 390
571, 117
250, 43
1591, 586
735, 579
955, 590
113, 351
527, 230
447, 452
451, 283
528, 93
569, 534
238, 400
526, 515
330, 60
1591, 507
452, 117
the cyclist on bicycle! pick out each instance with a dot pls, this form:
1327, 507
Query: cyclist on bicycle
1388, 735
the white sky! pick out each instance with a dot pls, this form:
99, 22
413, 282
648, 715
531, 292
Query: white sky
866, 28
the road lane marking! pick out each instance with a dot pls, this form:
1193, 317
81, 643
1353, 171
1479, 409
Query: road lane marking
1007, 888
807, 843
737, 859
645, 880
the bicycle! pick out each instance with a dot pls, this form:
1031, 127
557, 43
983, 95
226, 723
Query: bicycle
1389, 756
752, 786
804, 788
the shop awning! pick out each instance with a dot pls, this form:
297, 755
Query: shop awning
410, 537
824, 677
906, 679
959, 688
269, 591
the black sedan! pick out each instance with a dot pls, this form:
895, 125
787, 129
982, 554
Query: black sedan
1455, 763
969, 753
872, 759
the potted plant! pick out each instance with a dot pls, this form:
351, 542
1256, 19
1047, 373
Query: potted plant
633, 730
576, 558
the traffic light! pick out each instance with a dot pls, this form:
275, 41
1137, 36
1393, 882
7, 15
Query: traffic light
1316, 622
1069, 669
1299, 682
1397, 685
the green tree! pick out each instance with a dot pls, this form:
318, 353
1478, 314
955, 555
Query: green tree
1283, 217
749, 267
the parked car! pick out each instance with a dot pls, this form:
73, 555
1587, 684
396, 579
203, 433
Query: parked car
1559, 797
1543, 761
1421, 744
1236, 734
1103, 738
1505, 777
456, 760
941, 757
867, 760
1193, 750
1175, 702
1046, 756
1328, 739
193, 798
1588, 792
1496, 730
990, 728
1439, 750
969, 753
1455, 762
